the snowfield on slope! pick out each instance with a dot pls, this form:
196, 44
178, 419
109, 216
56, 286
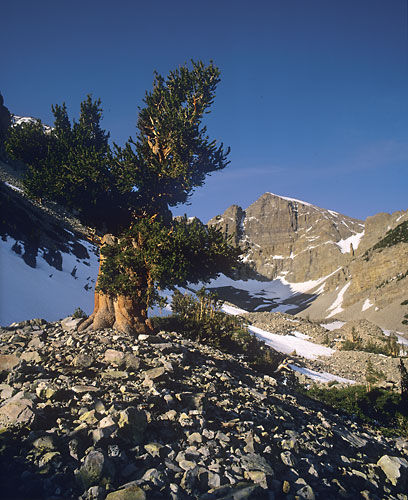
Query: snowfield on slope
275, 295
322, 377
43, 291
287, 344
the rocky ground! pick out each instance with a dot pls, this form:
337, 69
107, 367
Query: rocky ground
102, 415
347, 364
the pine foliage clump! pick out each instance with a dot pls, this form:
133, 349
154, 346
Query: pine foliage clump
151, 256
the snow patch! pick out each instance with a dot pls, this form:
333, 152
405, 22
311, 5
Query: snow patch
233, 310
367, 304
289, 343
322, 377
15, 188
274, 289
306, 286
20, 120
400, 336
301, 335
292, 199
333, 325
354, 240
336, 308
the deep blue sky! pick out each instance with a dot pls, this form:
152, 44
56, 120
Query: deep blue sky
313, 99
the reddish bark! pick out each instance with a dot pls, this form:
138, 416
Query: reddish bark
121, 313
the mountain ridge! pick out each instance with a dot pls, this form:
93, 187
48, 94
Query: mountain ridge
296, 242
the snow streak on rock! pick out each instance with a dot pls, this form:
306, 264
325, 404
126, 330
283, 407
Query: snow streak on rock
336, 308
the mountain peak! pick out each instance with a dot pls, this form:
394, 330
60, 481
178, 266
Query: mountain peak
289, 199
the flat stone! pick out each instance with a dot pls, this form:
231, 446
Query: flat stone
96, 493
395, 468
36, 343
83, 361
195, 437
8, 362
257, 477
351, 438
153, 449
253, 461
127, 493
69, 324
51, 457
214, 480
95, 470
288, 459
187, 464
168, 348
107, 423
132, 424
18, 412
114, 357
155, 374
239, 491
46, 390
306, 493
150, 339
31, 357
132, 362
81, 389
115, 374
45, 443
89, 417
155, 477
6, 391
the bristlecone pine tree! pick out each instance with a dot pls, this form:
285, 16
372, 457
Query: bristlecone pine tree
126, 194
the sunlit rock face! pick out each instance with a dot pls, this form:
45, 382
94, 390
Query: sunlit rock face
331, 257
282, 235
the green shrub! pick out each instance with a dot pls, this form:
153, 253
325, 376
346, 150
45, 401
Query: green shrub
390, 347
201, 319
394, 236
349, 345
79, 313
376, 407
372, 375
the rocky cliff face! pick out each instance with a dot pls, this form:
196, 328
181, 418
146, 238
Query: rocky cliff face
331, 256
282, 235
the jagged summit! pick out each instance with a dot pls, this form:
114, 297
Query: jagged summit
290, 199
284, 235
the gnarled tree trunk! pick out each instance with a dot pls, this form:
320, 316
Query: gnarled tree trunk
122, 313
